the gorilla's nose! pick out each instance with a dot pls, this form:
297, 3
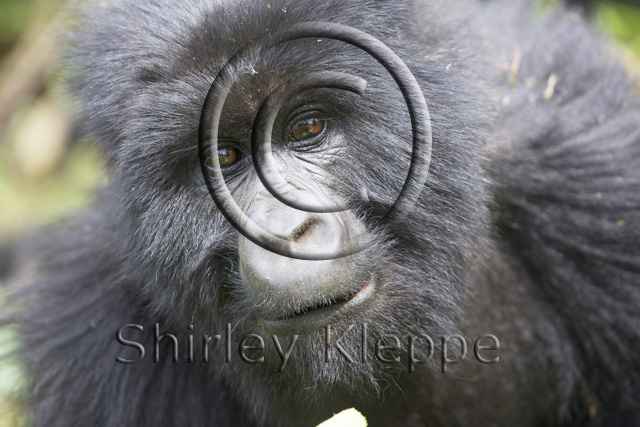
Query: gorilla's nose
324, 232
285, 284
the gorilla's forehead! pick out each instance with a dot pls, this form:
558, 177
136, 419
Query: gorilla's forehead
207, 45
157, 61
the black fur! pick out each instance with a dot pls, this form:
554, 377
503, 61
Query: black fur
528, 227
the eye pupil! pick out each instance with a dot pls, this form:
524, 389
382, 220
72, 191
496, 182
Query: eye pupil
227, 156
307, 128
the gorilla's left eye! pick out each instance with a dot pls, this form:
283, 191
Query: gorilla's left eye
227, 156
307, 128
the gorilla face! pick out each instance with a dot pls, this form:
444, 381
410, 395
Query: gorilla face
309, 148
329, 147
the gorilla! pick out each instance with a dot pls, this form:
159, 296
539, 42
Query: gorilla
270, 248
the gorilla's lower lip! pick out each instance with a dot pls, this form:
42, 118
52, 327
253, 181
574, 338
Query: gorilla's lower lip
331, 306
317, 316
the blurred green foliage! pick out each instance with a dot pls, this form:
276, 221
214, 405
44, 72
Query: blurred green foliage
25, 204
622, 21
13, 17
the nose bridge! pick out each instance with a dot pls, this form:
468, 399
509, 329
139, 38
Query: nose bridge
289, 223
295, 224
295, 182
286, 194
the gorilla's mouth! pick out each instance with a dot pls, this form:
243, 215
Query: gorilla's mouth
323, 312
327, 307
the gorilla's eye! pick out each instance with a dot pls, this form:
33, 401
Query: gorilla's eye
307, 128
227, 156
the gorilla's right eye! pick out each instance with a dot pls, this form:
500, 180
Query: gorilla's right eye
307, 129
227, 156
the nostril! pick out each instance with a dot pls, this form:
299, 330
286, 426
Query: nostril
304, 228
